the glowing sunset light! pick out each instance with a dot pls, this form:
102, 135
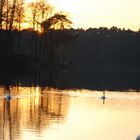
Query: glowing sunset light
101, 13
107, 13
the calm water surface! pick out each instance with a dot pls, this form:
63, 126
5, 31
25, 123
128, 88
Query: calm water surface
40, 114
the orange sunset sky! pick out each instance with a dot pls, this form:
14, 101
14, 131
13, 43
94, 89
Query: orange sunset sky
101, 13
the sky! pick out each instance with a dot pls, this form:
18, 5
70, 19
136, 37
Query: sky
101, 13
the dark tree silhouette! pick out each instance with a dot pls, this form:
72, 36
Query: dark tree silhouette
58, 21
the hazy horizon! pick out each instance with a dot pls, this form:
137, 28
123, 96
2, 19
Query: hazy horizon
101, 13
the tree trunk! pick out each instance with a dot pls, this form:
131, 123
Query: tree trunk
7, 6
12, 15
1, 12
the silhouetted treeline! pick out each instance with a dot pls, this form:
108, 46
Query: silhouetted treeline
28, 48
98, 59
109, 49
103, 48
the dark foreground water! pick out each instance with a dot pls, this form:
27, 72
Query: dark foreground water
36, 113
75, 78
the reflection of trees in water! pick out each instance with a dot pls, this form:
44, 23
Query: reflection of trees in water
9, 119
33, 112
80, 77
42, 77
48, 108
58, 79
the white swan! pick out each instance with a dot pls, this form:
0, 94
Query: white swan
9, 97
103, 96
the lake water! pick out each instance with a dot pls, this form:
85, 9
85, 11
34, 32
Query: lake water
37, 113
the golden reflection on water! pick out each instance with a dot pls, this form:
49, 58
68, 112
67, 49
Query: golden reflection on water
31, 113
37, 113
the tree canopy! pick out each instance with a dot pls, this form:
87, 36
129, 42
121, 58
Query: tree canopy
39, 16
